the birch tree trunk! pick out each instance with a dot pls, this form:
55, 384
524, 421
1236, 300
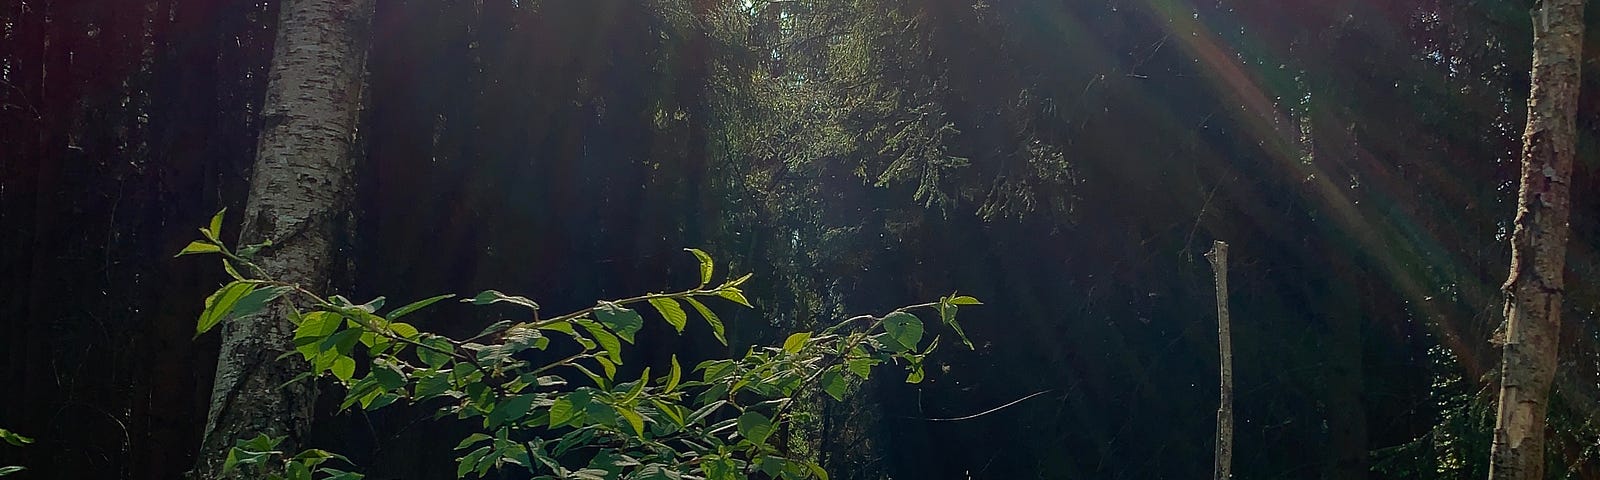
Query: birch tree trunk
297, 192
1538, 244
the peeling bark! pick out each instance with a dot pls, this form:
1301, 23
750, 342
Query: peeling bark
297, 192
1539, 244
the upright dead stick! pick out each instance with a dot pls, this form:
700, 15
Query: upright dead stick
1219, 267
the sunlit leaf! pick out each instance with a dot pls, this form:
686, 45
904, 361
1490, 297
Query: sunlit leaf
706, 266
198, 247
904, 329
795, 342
671, 311
417, 305
621, 320
755, 427
711, 319
220, 303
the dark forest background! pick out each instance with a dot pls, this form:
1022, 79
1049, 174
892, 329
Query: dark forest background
1065, 161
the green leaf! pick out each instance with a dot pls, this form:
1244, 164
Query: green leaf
435, 358
509, 411
673, 412
255, 301
13, 438
344, 367
621, 320
711, 319
795, 342
10, 470
817, 471
947, 314
740, 281
861, 367
417, 305
404, 330
469, 462
219, 304
835, 384
755, 427
198, 247
719, 468
671, 311
638, 386
634, 419
965, 300
706, 266
656, 472
916, 375
674, 376
216, 223
566, 408
472, 440
734, 294
608, 367
904, 329
494, 296
606, 339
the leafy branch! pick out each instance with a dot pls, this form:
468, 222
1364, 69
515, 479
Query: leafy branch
512, 381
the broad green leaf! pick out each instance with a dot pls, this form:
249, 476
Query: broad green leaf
494, 296
404, 330
435, 357
607, 366
216, 223
671, 311
916, 375
715, 369
861, 367
466, 464
219, 304
817, 471
719, 468
255, 301
509, 411
633, 418
621, 320
705, 411
735, 295
673, 412
344, 367
795, 342
835, 384
965, 300
706, 266
638, 386
674, 376
417, 305
198, 247
562, 412
13, 438
600, 413
606, 340
656, 472
472, 440
755, 427
904, 329
711, 319
947, 314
